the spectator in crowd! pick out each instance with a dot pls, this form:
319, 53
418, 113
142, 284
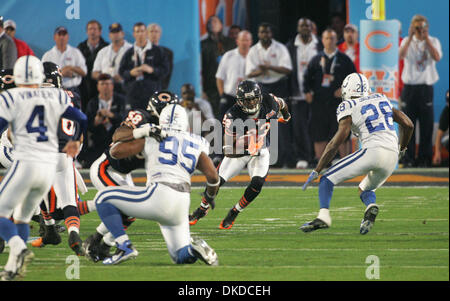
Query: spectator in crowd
442, 134
231, 71
142, 67
337, 23
109, 57
21, 46
268, 62
233, 31
212, 50
154, 32
8, 50
420, 52
69, 59
322, 87
105, 112
195, 104
301, 49
350, 46
89, 48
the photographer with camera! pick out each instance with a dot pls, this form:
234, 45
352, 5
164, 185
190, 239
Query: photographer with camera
420, 52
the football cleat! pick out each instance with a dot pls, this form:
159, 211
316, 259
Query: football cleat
7, 275
197, 214
369, 218
228, 221
75, 243
23, 259
314, 225
204, 252
2, 245
124, 252
95, 248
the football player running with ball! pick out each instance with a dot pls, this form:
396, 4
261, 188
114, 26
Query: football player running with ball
371, 117
251, 108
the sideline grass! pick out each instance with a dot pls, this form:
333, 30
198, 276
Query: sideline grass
410, 238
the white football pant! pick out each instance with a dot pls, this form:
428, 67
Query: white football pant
256, 165
23, 188
376, 163
156, 202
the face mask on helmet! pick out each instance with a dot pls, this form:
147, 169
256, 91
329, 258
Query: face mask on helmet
160, 100
6, 79
248, 96
53, 76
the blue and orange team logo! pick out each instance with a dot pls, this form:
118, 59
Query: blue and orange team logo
378, 41
385, 81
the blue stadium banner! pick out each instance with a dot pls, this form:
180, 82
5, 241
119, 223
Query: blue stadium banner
379, 56
37, 20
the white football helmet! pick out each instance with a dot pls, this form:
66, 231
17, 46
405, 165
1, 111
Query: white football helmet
28, 70
355, 85
174, 117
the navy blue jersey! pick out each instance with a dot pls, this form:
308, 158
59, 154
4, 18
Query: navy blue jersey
67, 128
234, 119
134, 119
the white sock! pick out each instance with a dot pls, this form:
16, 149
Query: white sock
121, 239
324, 215
91, 206
102, 229
73, 229
16, 245
238, 208
108, 239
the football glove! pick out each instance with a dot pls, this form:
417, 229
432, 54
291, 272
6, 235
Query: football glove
150, 130
209, 199
312, 176
401, 152
285, 119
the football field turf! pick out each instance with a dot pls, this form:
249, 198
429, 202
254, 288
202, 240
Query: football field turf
410, 240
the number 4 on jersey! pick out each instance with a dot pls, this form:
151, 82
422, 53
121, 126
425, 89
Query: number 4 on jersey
38, 112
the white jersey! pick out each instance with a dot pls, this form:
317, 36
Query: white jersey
372, 120
34, 116
175, 159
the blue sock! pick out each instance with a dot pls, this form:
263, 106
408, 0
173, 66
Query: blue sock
111, 217
7, 229
184, 256
325, 192
368, 197
23, 230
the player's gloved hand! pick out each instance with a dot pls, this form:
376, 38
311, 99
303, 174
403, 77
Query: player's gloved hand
401, 152
312, 176
209, 199
150, 130
285, 118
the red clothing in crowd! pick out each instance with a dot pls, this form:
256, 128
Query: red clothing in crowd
22, 48
343, 47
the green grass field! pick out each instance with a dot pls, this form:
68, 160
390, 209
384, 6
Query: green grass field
410, 239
